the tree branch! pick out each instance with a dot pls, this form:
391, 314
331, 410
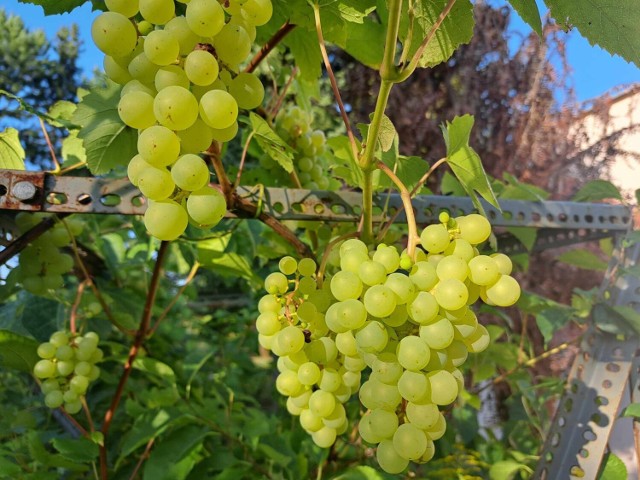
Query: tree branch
282, 32
27, 237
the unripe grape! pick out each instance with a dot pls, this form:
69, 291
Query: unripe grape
44, 369
196, 138
232, 44
413, 353
128, 8
248, 90
207, 206
156, 183
218, 109
158, 12
201, 67
504, 263
389, 459
205, 17
310, 421
257, 12
46, 350
483, 270
451, 294
505, 292
325, 437
114, 34
423, 415
423, 309
158, 145
322, 403
73, 407
54, 399
307, 267
225, 134
474, 228
161, 47
190, 172
176, 108
409, 441
435, 238
444, 387
288, 265
166, 219
136, 110
309, 373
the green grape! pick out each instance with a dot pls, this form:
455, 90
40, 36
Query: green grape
190, 172
206, 206
346, 343
413, 354
452, 267
143, 69
435, 238
46, 350
336, 418
95, 373
158, 12
64, 367
389, 459
54, 399
423, 415
232, 44
305, 164
276, 284
367, 433
423, 309
116, 72
346, 285
196, 138
269, 303
136, 110
465, 325
137, 86
325, 437
44, 369
205, 17
373, 337
483, 270
322, 403
159, 146
289, 340
73, 407
180, 29
437, 335
144, 27
79, 384
52, 282
387, 256
166, 219
257, 12
504, 292
330, 380
380, 301
82, 369
383, 422
161, 47
128, 8
218, 109
429, 452
474, 228
309, 373
402, 286
175, 108
291, 407
50, 385
444, 387
460, 248
457, 353
302, 400
248, 90
58, 339
374, 394
307, 311
201, 67
351, 260
114, 34
225, 134
136, 166
479, 340
409, 441
451, 294
60, 237
156, 183
288, 265
310, 421
64, 352
386, 368
504, 263
372, 273
413, 386
307, 267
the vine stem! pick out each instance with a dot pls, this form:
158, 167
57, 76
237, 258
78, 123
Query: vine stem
406, 201
27, 237
52, 151
327, 251
277, 37
141, 333
334, 83
143, 457
74, 308
243, 159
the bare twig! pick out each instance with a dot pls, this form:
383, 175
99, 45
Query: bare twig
327, 251
242, 160
74, 308
27, 237
273, 111
50, 145
142, 459
87, 413
282, 32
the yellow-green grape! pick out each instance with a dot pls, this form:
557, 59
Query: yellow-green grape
232, 44
205, 17
257, 12
444, 387
128, 8
504, 263
290, 340
143, 69
483, 270
175, 108
474, 228
218, 109
169, 76
73, 407
190, 172
307, 267
276, 283
137, 86
248, 90
325, 437
156, 183
187, 39
451, 294
54, 399
136, 110
435, 238
249, 28
288, 265
136, 165
225, 134
114, 34
409, 441
201, 67
389, 459
452, 267
166, 219
437, 335
423, 415
158, 12
413, 353
206, 206
161, 47
144, 27
196, 138
504, 292
159, 146
115, 71
44, 369
413, 386
380, 301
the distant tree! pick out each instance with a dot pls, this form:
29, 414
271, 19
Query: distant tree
41, 72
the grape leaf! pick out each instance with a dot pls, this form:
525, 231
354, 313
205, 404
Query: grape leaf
17, 351
306, 53
455, 30
271, 143
55, 7
613, 26
11, 152
77, 450
632, 410
107, 141
346, 166
597, 190
506, 469
73, 151
583, 259
172, 457
613, 469
528, 11
465, 162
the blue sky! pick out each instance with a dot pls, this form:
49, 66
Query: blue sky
594, 70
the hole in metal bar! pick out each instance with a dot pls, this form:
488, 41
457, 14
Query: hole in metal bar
535, 216
576, 218
589, 436
613, 219
138, 201
318, 208
577, 471
550, 217
613, 367
377, 210
584, 453
492, 215
278, 207
521, 216
110, 200
84, 199
601, 219
339, 209
427, 212
297, 207
600, 420
601, 401
57, 198
555, 439
588, 218
563, 217
606, 384
561, 422
568, 404
625, 219
3, 190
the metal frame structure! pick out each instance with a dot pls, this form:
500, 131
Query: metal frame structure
606, 367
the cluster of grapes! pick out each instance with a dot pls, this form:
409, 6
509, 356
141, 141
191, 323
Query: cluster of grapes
408, 321
41, 263
67, 368
182, 90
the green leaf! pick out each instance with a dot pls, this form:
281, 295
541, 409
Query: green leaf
597, 190
107, 141
455, 30
506, 470
614, 469
450, 185
17, 351
172, 458
11, 152
54, 7
155, 367
61, 110
306, 53
9, 469
528, 11
213, 254
611, 320
271, 143
630, 315
361, 473
73, 152
347, 167
77, 450
550, 320
582, 258
632, 410
465, 162
613, 26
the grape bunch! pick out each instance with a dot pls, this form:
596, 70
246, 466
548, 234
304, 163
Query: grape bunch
182, 89
67, 368
42, 264
408, 320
